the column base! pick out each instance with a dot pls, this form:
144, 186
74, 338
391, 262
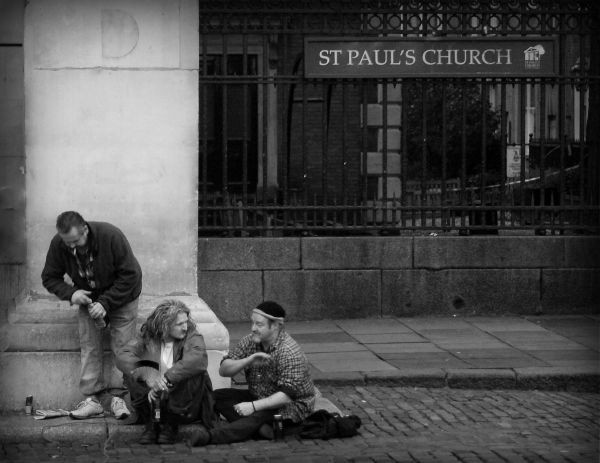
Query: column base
39, 349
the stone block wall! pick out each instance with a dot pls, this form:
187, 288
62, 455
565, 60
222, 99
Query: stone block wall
12, 153
315, 278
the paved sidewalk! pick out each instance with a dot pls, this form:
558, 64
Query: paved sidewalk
551, 353
545, 352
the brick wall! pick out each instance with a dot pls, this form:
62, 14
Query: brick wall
306, 141
316, 278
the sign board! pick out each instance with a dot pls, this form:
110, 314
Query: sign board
388, 57
513, 161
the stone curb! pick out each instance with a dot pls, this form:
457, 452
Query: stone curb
549, 379
481, 378
341, 378
24, 429
431, 377
558, 379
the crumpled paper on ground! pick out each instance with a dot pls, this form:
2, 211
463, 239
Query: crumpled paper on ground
52, 413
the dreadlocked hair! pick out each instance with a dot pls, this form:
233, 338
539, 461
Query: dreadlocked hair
159, 321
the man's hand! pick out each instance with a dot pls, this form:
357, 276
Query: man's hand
81, 297
231, 367
157, 383
244, 408
259, 357
96, 310
153, 397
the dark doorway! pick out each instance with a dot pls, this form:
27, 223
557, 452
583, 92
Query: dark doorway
231, 115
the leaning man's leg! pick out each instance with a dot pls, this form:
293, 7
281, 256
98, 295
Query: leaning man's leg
122, 325
91, 380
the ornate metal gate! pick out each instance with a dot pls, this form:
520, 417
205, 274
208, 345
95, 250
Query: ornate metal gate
285, 154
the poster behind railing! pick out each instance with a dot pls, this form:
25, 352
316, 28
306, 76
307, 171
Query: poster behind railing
513, 162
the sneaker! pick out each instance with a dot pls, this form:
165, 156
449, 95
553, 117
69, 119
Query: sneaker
119, 409
89, 408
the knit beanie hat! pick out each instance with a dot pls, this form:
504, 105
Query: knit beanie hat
271, 310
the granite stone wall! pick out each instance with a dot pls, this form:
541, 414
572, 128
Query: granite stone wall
353, 277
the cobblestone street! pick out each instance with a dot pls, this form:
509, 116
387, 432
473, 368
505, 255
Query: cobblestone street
399, 425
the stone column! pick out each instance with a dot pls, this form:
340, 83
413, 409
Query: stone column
111, 90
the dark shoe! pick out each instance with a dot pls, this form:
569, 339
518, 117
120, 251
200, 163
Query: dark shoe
266, 432
199, 438
149, 435
168, 434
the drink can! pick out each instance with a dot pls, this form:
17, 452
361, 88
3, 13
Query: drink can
28, 404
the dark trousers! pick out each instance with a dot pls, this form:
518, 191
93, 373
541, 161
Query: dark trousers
188, 401
239, 428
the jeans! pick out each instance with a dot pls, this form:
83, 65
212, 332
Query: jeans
239, 428
122, 328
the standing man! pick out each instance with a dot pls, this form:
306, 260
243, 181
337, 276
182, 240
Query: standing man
278, 382
166, 367
106, 283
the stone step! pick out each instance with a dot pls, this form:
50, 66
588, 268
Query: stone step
59, 337
43, 324
31, 308
39, 349
52, 378
43, 311
36, 337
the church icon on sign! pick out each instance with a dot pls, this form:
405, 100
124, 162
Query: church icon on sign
533, 56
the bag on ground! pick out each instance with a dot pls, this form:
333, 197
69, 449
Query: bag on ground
325, 425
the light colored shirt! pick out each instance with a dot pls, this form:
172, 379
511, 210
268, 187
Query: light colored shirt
166, 357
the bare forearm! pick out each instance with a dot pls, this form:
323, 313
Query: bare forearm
231, 367
276, 400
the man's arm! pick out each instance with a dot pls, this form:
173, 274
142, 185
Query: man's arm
231, 367
127, 273
53, 273
128, 359
274, 401
128, 355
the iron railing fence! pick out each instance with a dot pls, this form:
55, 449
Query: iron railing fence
271, 218
283, 154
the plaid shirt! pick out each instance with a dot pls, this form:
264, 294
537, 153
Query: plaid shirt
286, 371
85, 265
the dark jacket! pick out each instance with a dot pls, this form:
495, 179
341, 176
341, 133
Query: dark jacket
190, 397
117, 273
189, 357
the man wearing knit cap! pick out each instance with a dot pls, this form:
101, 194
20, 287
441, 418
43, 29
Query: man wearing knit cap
278, 382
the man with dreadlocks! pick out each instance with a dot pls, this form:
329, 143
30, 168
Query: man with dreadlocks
166, 367
278, 378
